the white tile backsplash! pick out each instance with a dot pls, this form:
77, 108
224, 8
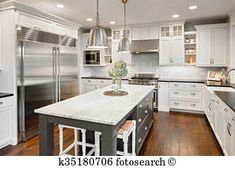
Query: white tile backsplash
149, 63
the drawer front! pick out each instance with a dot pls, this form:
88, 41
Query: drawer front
141, 133
186, 105
193, 86
35, 22
185, 94
144, 108
7, 101
178, 86
89, 81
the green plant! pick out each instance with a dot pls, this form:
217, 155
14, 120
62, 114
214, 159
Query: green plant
119, 70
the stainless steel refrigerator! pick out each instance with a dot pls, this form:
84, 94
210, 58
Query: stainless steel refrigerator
47, 73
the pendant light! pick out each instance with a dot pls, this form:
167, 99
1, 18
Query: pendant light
124, 44
97, 38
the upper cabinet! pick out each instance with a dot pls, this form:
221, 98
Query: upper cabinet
65, 30
213, 45
0, 40
145, 33
31, 21
171, 44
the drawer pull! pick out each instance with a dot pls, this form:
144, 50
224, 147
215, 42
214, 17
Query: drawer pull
176, 103
176, 85
147, 99
146, 111
140, 139
146, 128
1, 103
139, 120
193, 86
193, 105
233, 118
89, 80
176, 92
193, 94
226, 110
140, 106
217, 101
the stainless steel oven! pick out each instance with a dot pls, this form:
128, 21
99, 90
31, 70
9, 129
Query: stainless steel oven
92, 57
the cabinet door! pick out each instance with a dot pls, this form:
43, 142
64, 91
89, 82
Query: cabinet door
5, 125
178, 51
204, 47
165, 32
136, 33
154, 32
163, 101
220, 46
65, 30
35, 22
165, 57
0, 41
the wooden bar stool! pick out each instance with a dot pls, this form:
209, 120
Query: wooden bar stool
123, 133
95, 147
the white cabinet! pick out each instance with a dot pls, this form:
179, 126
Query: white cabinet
89, 85
6, 110
0, 40
171, 44
65, 30
145, 33
31, 21
212, 46
163, 102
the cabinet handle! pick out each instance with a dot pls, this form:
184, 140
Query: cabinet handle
193, 86
1, 103
140, 106
217, 101
146, 111
140, 139
89, 80
233, 119
193, 94
176, 103
176, 92
37, 28
146, 128
193, 105
228, 129
139, 120
209, 106
226, 109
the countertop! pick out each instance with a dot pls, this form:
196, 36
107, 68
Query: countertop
182, 80
98, 108
228, 98
2, 95
99, 77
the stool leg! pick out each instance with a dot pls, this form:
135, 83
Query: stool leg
75, 142
133, 140
125, 145
61, 140
97, 143
83, 142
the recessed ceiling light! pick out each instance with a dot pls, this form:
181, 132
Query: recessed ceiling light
192, 7
89, 19
175, 16
60, 6
112, 22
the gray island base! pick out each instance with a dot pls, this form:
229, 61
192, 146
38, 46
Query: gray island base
96, 112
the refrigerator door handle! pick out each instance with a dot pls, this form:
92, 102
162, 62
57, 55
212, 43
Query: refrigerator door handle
59, 77
54, 99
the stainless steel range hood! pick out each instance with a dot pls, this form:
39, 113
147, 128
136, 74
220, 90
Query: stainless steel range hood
145, 46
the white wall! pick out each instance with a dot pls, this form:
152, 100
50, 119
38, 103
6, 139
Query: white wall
232, 42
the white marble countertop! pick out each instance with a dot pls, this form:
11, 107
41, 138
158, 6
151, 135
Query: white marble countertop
98, 108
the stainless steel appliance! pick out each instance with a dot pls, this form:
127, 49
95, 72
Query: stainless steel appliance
92, 57
147, 79
47, 73
145, 46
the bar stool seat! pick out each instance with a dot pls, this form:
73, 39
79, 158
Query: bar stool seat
95, 148
123, 133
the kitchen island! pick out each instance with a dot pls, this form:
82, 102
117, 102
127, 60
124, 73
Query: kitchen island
96, 112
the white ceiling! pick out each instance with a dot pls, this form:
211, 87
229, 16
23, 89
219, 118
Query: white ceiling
138, 11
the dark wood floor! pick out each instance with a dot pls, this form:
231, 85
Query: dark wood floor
172, 134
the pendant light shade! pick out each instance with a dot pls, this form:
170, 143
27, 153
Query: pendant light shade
124, 44
98, 37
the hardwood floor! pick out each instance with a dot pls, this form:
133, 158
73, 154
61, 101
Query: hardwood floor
171, 134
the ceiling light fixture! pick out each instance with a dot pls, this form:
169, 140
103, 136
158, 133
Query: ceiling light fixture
60, 6
124, 44
98, 38
89, 19
175, 16
112, 22
192, 7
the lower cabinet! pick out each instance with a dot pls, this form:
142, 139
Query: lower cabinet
163, 102
6, 110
